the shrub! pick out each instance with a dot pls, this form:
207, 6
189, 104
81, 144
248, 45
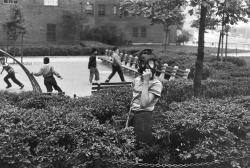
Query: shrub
111, 102
61, 135
237, 61
207, 71
202, 130
174, 91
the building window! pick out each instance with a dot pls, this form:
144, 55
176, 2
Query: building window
101, 10
51, 32
89, 8
51, 2
9, 1
135, 32
143, 32
115, 10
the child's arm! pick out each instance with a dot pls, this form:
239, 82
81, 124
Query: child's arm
38, 73
56, 73
2, 71
146, 97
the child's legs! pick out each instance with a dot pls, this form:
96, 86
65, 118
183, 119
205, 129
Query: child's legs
97, 77
114, 69
91, 74
54, 84
6, 79
119, 70
48, 84
14, 79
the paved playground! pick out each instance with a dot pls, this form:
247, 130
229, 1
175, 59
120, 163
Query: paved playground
74, 71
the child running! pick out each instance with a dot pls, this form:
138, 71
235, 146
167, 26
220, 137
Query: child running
11, 74
48, 71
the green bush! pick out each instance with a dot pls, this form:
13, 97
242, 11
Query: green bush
61, 135
202, 130
111, 102
105, 35
207, 71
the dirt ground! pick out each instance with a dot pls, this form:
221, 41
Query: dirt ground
74, 71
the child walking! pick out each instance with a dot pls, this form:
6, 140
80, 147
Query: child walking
92, 67
116, 66
48, 71
11, 74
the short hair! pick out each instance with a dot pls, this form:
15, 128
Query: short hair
115, 48
46, 60
2, 59
93, 50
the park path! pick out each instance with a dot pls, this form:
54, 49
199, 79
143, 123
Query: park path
74, 71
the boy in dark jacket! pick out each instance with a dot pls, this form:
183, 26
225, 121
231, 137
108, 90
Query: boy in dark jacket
11, 74
92, 67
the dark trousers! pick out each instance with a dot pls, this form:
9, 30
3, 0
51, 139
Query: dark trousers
13, 77
114, 70
93, 71
50, 82
142, 123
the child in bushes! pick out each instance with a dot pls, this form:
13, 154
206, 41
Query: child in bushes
11, 74
92, 67
146, 92
48, 71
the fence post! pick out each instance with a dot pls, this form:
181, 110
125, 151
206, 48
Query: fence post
186, 73
172, 77
163, 70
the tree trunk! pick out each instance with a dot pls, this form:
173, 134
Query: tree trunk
218, 51
166, 30
200, 55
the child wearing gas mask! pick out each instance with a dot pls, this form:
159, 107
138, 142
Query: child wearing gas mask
146, 92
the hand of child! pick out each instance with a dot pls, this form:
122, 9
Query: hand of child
147, 74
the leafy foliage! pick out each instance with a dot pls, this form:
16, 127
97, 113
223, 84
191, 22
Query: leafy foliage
63, 133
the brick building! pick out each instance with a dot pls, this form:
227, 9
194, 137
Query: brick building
44, 18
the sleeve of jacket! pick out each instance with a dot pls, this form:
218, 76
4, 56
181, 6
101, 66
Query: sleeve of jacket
117, 60
90, 61
39, 73
55, 73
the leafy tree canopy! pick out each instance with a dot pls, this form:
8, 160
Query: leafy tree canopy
165, 12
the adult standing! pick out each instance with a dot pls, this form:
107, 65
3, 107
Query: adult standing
11, 74
92, 67
116, 65
146, 92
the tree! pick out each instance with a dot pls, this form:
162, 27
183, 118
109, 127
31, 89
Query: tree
212, 22
14, 26
231, 10
72, 26
184, 37
164, 12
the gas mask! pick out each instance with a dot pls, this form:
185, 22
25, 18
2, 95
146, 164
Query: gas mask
147, 60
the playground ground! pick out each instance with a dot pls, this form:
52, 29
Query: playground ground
74, 71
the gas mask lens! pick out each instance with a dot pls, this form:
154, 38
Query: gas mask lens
151, 63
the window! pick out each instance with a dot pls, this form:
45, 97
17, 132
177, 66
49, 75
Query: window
143, 32
101, 10
9, 1
89, 8
51, 32
115, 10
51, 2
135, 32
